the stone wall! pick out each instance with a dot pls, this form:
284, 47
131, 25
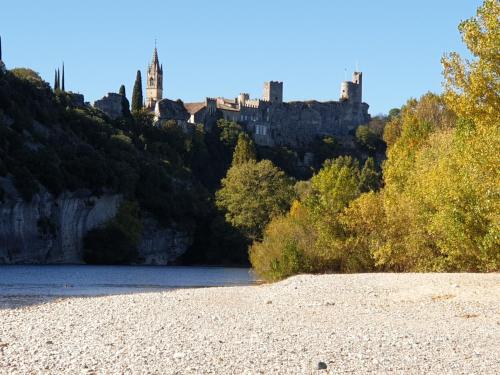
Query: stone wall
112, 105
296, 124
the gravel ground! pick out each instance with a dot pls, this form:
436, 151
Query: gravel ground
366, 323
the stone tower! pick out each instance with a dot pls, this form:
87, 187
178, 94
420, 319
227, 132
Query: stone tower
273, 92
154, 82
352, 90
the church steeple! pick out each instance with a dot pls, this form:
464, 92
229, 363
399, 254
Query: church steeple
154, 81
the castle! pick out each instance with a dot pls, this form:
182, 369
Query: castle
270, 120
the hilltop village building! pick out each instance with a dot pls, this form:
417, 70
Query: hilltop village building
269, 120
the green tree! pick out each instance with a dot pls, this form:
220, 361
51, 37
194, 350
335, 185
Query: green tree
472, 86
244, 150
288, 246
366, 137
125, 102
334, 186
26, 74
229, 132
369, 179
253, 193
137, 99
394, 112
324, 148
313, 237
122, 91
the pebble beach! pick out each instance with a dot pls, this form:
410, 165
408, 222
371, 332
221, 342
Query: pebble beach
324, 324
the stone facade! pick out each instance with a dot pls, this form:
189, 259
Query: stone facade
274, 122
112, 105
77, 100
270, 120
273, 92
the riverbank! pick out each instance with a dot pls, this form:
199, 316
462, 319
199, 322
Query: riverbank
400, 323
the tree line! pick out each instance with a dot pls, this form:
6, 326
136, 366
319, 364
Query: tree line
436, 208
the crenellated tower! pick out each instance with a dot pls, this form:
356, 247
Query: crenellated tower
154, 82
352, 91
273, 92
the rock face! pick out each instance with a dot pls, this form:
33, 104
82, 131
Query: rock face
161, 246
50, 230
167, 109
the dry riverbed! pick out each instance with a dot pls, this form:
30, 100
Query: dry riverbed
368, 323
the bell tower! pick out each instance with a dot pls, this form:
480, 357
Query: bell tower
154, 82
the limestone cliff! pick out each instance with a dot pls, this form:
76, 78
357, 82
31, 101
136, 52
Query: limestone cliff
160, 246
50, 230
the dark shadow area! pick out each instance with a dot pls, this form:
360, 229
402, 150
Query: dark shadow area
17, 302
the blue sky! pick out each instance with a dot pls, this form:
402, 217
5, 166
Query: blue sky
222, 48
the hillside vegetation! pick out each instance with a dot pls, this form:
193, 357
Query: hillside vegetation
433, 206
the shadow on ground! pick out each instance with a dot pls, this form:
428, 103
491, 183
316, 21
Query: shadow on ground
17, 302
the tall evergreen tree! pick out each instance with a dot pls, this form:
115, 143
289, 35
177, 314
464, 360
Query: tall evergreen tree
125, 102
137, 100
55, 80
62, 85
122, 91
244, 150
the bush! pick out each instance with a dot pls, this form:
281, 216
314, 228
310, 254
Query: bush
287, 247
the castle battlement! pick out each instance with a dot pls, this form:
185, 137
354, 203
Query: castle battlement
251, 103
273, 92
352, 90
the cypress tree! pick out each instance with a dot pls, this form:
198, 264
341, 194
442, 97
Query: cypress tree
244, 150
137, 100
122, 91
62, 86
55, 80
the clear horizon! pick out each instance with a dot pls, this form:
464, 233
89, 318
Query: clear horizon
223, 50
